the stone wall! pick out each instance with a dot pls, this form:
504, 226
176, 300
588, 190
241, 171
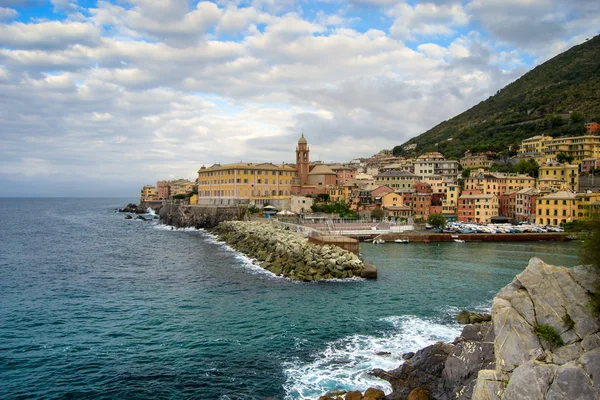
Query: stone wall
205, 217
287, 253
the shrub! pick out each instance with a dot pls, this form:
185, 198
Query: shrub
549, 334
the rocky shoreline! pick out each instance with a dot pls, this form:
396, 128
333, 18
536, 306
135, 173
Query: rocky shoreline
543, 342
287, 253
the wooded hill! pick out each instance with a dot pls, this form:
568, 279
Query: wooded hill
555, 99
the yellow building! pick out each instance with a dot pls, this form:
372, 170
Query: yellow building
341, 192
181, 186
578, 147
437, 183
477, 207
587, 205
451, 199
556, 208
536, 144
148, 193
393, 206
568, 173
498, 183
475, 161
395, 179
246, 183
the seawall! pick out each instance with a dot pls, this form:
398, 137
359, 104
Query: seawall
289, 254
199, 217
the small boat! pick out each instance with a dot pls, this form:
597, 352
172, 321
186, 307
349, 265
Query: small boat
379, 241
459, 241
403, 240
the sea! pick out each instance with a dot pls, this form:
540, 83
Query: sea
94, 306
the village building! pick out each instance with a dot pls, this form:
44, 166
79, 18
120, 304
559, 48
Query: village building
475, 161
590, 164
396, 179
556, 208
436, 164
525, 204
578, 147
301, 204
246, 183
477, 207
148, 193
563, 171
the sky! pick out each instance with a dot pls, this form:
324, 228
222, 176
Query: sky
98, 98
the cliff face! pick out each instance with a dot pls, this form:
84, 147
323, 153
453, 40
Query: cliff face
543, 343
531, 364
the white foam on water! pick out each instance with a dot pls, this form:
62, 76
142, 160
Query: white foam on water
150, 211
163, 227
344, 364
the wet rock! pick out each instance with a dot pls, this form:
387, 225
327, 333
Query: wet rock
468, 317
133, 208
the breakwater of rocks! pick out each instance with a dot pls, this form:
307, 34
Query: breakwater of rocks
287, 253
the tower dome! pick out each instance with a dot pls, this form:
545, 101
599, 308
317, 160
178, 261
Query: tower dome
302, 140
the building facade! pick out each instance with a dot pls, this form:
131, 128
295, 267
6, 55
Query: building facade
258, 184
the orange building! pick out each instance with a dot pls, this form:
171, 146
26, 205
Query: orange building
592, 128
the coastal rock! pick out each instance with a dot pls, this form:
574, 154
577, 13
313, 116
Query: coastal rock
133, 208
505, 359
468, 317
559, 298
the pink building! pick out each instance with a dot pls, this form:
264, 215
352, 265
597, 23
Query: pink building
589, 164
163, 190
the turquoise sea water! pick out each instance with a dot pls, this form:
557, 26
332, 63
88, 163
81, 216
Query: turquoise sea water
95, 306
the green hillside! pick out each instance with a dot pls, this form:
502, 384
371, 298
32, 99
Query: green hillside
555, 99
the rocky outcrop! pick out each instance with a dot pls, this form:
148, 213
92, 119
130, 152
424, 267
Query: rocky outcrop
558, 362
133, 208
467, 317
199, 217
443, 370
288, 253
543, 343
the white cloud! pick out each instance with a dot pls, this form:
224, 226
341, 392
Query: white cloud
48, 35
157, 88
7, 13
426, 20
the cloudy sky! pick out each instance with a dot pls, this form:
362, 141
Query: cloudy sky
98, 98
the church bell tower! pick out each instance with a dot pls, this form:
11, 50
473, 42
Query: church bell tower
302, 160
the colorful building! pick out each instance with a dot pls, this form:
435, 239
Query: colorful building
562, 171
579, 147
590, 164
396, 179
163, 190
434, 163
475, 161
592, 128
525, 203
556, 208
148, 193
535, 144
474, 206
259, 184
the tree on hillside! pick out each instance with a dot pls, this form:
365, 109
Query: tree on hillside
437, 220
528, 167
466, 173
564, 158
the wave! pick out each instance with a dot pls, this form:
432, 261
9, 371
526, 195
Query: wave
163, 227
345, 363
